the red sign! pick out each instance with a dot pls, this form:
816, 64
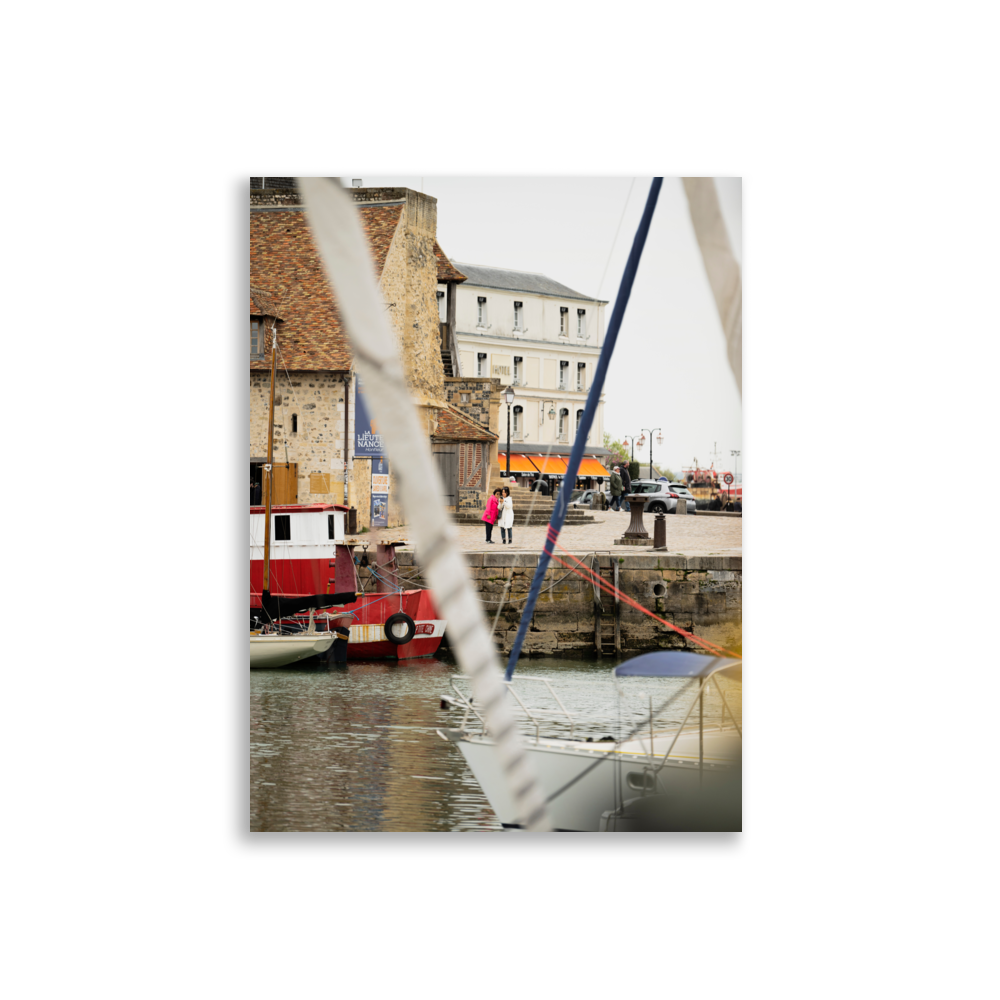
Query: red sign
728, 478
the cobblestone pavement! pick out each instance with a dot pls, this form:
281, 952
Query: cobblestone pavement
688, 535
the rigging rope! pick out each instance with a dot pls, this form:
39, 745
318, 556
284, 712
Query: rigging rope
593, 397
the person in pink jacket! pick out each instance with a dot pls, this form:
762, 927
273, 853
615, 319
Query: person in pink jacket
490, 515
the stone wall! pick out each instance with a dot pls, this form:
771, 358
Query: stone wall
317, 445
284, 183
696, 593
274, 198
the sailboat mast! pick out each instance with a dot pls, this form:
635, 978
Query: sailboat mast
268, 466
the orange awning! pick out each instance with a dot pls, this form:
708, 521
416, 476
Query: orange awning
553, 465
518, 463
591, 467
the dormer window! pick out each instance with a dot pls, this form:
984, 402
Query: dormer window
256, 337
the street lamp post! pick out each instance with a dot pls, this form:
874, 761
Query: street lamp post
737, 454
508, 395
632, 439
659, 440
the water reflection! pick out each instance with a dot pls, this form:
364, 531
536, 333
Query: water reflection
355, 748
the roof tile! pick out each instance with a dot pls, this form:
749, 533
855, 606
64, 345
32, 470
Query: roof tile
286, 272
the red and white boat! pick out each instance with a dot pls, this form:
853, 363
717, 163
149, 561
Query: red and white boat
309, 556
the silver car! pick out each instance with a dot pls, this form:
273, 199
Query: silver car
663, 497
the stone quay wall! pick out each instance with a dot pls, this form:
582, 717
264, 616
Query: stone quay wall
693, 592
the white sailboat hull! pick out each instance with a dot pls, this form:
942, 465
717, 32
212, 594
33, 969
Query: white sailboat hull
282, 650
612, 773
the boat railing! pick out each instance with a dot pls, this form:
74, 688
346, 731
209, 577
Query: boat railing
645, 734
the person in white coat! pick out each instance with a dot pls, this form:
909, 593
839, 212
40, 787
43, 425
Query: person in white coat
506, 521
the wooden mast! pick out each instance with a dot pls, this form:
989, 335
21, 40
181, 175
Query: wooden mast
268, 475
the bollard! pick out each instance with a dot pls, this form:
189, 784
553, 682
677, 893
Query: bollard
660, 532
682, 506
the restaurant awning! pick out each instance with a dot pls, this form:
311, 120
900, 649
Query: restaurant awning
551, 465
518, 463
591, 467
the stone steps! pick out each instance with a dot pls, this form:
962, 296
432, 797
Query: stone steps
540, 515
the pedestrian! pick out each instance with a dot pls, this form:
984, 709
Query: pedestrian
616, 489
507, 518
490, 515
716, 503
626, 487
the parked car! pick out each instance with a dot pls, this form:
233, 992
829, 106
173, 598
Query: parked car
582, 498
663, 496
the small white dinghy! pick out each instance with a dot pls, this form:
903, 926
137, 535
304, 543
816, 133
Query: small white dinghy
282, 650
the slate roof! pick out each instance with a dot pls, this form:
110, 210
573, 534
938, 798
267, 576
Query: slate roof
285, 267
454, 425
446, 270
519, 281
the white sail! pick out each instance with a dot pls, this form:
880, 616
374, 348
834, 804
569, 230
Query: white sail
337, 230
723, 269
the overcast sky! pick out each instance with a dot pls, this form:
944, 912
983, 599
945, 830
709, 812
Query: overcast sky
670, 368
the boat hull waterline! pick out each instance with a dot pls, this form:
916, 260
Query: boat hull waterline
284, 650
618, 775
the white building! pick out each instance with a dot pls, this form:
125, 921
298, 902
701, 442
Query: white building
542, 338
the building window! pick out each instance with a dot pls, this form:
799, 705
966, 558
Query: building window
581, 376
518, 315
563, 421
442, 308
282, 527
295, 423
563, 367
518, 422
518, 370
463, 396
256, 337
331, 526
581, 323
579, 417
563, 321
481, 321
481, 365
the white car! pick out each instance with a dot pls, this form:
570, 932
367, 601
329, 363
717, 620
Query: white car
663, 496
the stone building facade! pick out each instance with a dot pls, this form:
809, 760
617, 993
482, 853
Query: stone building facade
315, 392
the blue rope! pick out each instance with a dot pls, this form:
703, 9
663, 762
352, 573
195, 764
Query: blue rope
559, 511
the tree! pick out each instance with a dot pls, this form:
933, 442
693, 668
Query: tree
619, 451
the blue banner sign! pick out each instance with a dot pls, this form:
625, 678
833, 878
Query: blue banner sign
367, 440
380, 492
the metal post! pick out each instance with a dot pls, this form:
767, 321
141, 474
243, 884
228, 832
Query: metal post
507, 473
701, 732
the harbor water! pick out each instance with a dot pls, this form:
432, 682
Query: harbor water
355, 748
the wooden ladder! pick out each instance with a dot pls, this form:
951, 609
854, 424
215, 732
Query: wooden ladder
607, 611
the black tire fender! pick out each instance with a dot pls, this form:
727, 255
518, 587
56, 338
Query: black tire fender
399, 618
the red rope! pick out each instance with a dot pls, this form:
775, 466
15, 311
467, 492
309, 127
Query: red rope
611, 589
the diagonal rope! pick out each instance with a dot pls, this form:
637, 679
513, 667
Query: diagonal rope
590, 410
